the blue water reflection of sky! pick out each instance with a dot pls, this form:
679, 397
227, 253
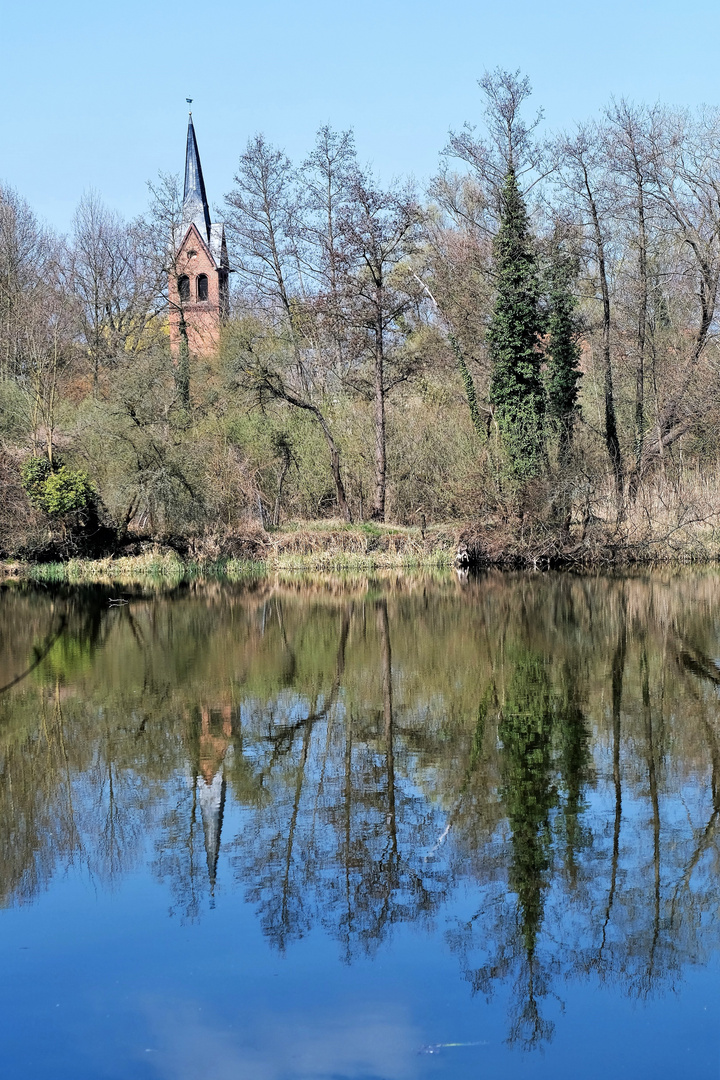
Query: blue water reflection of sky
110, 984
339, 869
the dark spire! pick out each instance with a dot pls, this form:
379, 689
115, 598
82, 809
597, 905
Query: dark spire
212, 810
195, 204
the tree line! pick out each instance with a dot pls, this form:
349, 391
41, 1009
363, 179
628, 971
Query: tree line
531, 339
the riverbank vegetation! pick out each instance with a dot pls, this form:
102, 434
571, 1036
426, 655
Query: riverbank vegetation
521, 361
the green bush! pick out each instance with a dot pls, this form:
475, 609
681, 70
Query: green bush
64, 491
34, 473
67, 491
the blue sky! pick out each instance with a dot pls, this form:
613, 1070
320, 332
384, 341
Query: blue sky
94, 95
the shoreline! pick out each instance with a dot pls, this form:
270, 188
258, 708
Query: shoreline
334, 547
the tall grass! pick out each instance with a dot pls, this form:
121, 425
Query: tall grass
165, 569
674, 518
330, 546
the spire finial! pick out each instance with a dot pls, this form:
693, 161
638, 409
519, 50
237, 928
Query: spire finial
189, 101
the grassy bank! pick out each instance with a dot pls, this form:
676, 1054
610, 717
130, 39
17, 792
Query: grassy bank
318, 547
333, 546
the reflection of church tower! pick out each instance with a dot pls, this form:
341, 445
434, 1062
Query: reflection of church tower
198, 280
210, 784
211, 797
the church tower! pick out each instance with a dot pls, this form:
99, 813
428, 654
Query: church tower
198, 279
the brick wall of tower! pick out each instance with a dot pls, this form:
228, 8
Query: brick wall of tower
202, 317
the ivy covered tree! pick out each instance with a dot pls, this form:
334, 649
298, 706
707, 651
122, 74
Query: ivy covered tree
563, 348
517, 393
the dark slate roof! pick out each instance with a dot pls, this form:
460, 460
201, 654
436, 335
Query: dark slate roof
212, 808
195, 204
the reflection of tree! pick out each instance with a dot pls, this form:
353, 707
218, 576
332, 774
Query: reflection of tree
280, 875
383, 746
529, 795
39, 652
385, 826
618, 672
37, 808
525, 730
333, 846
574, 765
544, 735
180, 854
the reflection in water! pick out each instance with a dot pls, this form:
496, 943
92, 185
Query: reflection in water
549, 744
377, 1042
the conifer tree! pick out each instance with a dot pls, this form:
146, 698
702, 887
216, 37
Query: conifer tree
563, 372
517, 392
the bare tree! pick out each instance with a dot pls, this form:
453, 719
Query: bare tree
264, 223
633, 133
46, 342
165, 228
327, 178
584, 185
686, 185
510, 141
26, 257
381, 231
117, 280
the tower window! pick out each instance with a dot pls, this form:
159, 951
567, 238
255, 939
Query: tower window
202, 287
184, 287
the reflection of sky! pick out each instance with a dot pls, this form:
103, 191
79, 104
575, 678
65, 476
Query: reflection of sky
370, 1042
118, 990
318, 962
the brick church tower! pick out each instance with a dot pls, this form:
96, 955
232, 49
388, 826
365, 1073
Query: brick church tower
198, 280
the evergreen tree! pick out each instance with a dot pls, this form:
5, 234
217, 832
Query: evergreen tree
563, 372
517, 392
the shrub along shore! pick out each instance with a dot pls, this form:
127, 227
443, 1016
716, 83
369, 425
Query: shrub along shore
242, 554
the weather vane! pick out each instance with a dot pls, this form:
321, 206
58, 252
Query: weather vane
189, 101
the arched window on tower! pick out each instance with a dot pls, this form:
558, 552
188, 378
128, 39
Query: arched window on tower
202, 287
184, 288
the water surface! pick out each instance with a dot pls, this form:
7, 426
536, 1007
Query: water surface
379, 829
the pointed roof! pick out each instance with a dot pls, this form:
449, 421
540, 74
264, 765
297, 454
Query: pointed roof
195, 204
211, 797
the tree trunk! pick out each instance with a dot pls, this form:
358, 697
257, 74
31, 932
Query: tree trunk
279, 391
182, 369
378, 511
641, 335
611, 436
384, 634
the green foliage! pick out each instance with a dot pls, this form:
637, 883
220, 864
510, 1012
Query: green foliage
516, 387
67, 491
525, 730
70, 657
563, 371
260, 435
469, 387
34, 473
63, 491
151, 460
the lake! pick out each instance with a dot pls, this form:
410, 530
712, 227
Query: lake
374, 828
